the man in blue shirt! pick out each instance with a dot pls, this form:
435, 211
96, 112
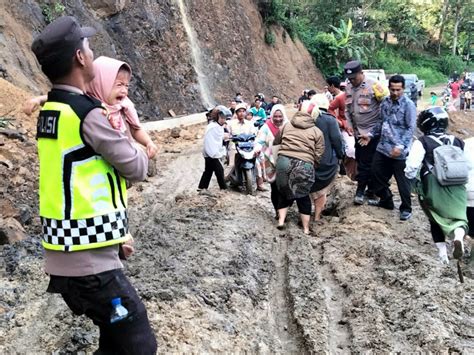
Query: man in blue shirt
398, 115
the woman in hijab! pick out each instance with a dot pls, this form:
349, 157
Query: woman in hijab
264, 147
301, 149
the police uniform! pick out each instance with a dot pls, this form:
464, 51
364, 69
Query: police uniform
82, 196
83, 200
363, 115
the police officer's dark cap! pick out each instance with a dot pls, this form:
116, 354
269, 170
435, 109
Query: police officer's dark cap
352, 68
59, 39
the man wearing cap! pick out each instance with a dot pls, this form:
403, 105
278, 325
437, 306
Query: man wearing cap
83, 198
363, 97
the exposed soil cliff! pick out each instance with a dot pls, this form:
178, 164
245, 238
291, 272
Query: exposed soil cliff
151, 37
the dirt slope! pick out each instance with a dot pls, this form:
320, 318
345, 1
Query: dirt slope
150, 36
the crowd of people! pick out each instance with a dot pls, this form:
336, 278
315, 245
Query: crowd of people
355, 127
457, 95
90, 142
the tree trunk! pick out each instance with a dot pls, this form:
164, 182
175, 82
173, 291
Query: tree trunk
456, 26
444, 16
385, 37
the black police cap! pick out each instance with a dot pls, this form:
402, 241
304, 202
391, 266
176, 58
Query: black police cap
352, 68
60, 38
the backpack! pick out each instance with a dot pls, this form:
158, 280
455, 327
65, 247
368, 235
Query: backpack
451, 166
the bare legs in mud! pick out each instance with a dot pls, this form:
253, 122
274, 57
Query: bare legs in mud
305, 218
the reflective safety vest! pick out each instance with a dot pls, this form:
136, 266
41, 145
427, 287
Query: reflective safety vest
83, 199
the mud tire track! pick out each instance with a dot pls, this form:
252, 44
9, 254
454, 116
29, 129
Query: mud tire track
289, 333
339, 334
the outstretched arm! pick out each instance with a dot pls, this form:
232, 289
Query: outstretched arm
34, 103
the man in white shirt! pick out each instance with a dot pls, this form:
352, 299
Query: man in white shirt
238, 125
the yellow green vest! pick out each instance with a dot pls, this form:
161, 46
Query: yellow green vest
83, 199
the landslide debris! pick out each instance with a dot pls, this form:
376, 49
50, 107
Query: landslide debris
216, 275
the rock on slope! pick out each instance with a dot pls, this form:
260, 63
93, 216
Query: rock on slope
151, 37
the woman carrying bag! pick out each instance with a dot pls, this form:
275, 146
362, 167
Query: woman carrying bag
301, 149
264, 146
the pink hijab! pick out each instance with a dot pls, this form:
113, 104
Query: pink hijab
106, 70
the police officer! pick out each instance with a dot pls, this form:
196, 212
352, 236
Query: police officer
363, 97
83, 198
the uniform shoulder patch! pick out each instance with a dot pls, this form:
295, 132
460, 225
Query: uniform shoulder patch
379, 91
47, 126
105, 112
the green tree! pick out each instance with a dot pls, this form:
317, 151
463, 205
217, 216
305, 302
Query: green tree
333, 48
444, 17
335, 32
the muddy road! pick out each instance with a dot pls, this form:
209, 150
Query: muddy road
216, 275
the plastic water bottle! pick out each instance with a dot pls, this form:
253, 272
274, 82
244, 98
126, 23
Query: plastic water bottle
119, 312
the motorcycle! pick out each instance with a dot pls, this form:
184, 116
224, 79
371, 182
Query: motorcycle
244, 169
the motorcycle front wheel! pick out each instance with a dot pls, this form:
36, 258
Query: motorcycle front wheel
248, 181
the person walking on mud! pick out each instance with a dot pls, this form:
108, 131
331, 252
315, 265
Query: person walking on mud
399, 123
469, 151
264, 148
83, 163
363, 98
468, 100
445, 206
301, 150
214, 150
326, 172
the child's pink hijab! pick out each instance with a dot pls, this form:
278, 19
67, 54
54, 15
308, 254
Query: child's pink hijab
105, 71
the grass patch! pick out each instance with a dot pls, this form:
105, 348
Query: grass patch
429, 68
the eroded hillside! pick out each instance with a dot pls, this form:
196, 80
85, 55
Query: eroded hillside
151, 37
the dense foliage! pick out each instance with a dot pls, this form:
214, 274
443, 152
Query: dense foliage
429, 38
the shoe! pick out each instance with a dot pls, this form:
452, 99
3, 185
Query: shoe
359, 199
205, 192
371, 198
387, 204
281, 227
405, 215
372, 201
442, 252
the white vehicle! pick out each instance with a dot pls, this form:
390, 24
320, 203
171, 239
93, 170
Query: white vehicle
377, 75
413, 79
